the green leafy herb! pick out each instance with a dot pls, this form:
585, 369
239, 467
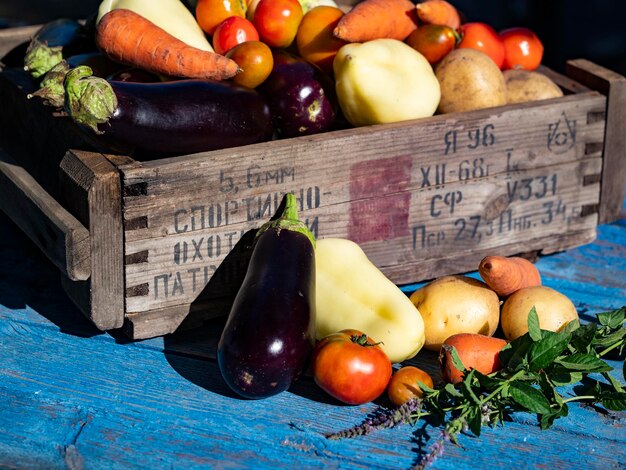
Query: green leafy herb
533, 367
533, 325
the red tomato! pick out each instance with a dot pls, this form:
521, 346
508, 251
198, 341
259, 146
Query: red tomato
351, 367
482, 37
210, 13
433, 41
233, 31
277, 21
404, 386
256, 61
315, 40
522, 49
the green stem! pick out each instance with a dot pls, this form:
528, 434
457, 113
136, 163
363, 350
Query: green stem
287, 219
611, 348
580, 398
51, 89
501, 386
40, 58
89, 100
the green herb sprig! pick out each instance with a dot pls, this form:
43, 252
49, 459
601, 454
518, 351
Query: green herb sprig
534, 366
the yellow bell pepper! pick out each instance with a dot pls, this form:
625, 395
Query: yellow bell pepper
351, 292
384, 80
170, 15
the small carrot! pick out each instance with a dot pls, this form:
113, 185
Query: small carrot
377, 19
507, 275
476, 351
129, 38
438, 12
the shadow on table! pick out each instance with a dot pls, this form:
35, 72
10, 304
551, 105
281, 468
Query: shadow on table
193, 352
31, 285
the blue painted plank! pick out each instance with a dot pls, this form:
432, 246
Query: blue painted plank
73, 397
121, 407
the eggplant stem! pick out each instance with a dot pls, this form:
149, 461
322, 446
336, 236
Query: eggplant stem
287, 219
89, 100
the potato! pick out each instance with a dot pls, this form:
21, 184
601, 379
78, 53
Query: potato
469, 80
554, 310
524, 85
456, 304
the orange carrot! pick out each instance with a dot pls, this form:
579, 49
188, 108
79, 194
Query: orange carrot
507, 275
376, 19
129, 38
438, 12
478, 352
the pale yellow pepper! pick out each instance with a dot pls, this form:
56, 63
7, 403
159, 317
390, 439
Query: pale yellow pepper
383, 81
351, 292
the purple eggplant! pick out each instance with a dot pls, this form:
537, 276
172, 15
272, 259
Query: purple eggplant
100, 65
301, 98
147, 120
55, 41
269, 335
133, 75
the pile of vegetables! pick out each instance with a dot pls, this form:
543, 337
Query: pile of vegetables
506, 343
233, 72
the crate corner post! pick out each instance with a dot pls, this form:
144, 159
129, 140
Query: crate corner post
612, 85
92, 193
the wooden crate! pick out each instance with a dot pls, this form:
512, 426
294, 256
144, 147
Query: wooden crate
149, 245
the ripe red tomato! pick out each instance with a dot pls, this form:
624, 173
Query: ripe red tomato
482, 37
404, 384
522, 49
210, 13
277, 21
232, 31
351, 367
433, 41
256, 60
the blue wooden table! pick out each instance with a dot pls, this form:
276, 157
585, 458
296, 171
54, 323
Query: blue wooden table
71, 396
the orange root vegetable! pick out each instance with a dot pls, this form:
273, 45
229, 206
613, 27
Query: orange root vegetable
129, 38
507, 275
377, 19
438, 12
478, 352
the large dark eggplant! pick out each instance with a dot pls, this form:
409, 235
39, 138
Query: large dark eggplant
301, 97
269, 334
55, 41
148, 120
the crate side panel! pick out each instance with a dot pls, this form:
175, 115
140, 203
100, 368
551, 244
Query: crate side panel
410, 194
240, 181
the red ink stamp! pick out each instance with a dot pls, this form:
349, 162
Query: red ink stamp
379, 207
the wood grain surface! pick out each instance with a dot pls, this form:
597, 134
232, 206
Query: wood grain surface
74, 397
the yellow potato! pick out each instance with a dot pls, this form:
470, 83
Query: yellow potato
524, 85
554, 310
469, 80
456, 304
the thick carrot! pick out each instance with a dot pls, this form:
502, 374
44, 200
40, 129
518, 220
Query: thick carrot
438, 12
475, 351
507, 275
376, 19
129, 38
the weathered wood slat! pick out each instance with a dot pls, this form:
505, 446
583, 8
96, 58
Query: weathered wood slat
613, 86
421, 201
56, 232
92, 192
